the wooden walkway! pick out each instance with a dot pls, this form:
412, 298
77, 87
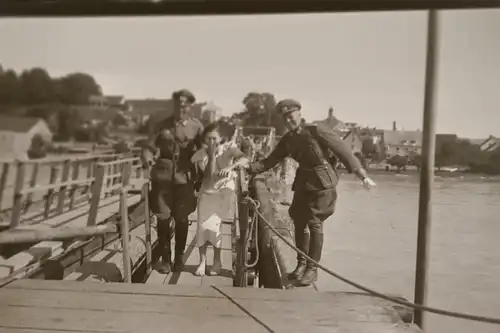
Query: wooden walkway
37, 306
178, 302
191, 260
74, 210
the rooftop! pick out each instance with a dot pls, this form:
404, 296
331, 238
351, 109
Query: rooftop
402, 137
17, 124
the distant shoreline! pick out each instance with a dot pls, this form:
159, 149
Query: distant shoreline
440, 174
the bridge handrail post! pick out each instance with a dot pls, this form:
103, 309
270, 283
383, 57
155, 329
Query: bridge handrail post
147, 223
241, 279
18, 196
126, 170
3, 180
34, 177
61, 196
74, 176
95, 199
50, 193
125, 235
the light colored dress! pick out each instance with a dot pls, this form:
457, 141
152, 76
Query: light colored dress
217, 199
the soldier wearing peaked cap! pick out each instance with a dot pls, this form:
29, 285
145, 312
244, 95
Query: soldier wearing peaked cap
174, 141
316, 148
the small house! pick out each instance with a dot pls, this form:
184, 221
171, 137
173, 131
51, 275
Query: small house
402, 143
17, 133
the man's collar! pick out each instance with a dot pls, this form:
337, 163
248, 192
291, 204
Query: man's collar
297, 130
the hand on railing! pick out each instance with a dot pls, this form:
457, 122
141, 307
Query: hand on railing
242, 180
225, 171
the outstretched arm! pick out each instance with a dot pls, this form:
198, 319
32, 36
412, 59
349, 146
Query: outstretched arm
334, 142
277, 155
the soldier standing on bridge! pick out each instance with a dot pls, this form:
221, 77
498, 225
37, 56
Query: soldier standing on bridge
172, 194
316, 149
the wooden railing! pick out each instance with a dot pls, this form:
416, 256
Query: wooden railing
115, 177
24, 183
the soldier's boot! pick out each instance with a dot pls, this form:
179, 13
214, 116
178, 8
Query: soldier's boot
302, 240
164, 265
181, 232
315, 248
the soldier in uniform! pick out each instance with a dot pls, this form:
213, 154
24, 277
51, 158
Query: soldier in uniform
316, 149
174, 141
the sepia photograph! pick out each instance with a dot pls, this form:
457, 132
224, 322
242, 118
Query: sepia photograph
279, 172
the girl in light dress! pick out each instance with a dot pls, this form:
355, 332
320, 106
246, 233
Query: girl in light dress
217, 198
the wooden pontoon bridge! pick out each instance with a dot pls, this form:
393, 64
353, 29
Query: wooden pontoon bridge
78, 245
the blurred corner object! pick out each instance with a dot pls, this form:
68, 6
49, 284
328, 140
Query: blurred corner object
207, 7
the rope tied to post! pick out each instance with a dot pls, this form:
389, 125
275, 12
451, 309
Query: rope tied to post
255, 228
370, 291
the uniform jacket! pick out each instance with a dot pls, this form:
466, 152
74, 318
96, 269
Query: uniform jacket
313, 147
175, 142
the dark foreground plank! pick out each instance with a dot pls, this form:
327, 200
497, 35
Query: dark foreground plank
37, 306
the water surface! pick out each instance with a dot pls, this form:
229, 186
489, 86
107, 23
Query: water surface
372, 240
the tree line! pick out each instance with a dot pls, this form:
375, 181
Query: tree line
36, 87
35, 93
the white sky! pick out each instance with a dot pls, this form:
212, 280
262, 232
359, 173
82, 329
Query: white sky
368, 66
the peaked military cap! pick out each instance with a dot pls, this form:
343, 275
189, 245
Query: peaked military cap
288, 105
184, 93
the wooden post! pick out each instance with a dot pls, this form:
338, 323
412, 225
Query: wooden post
96, 194
3, 181
138, 170
74, 189
147, 224
63, 189
116, 170
124, 229
50, 193
126, 173
427, 171
241, 278
109, 181
18, 197
34, 176
91, 171
28, 235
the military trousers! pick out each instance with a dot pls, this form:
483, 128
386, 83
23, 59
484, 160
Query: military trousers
172, 201
310, 209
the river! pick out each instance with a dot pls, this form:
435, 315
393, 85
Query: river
372, 240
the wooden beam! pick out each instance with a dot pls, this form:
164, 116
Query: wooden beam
32, 235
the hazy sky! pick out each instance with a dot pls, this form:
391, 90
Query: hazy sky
368, 66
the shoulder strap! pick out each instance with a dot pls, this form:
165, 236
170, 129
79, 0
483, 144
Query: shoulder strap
326, 153
319, 147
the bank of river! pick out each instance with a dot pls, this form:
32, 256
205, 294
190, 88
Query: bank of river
372, 239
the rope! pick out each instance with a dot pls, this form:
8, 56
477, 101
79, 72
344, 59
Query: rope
253, 225
414, 306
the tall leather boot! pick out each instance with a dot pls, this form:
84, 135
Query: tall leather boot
302, 240
164, 266
181, 232
315, 249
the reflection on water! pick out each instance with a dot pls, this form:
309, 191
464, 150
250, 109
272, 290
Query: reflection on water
372, 239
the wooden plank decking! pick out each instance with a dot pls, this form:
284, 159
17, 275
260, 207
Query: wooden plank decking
191, 260
67, 306
40, 252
